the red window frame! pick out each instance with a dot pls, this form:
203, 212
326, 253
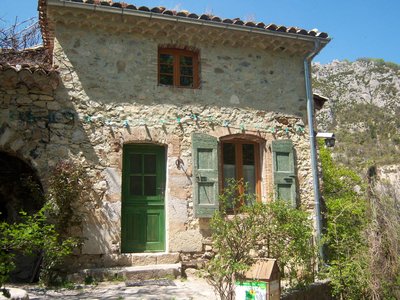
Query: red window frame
177, 66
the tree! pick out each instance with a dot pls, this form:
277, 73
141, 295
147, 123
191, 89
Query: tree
19, 35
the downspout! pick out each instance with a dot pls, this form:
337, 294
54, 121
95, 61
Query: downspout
314, 163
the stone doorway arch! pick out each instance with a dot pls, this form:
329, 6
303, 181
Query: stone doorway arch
20, 189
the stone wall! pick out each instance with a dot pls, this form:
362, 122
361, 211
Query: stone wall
108, 96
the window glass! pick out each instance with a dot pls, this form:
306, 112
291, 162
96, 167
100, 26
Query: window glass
249, 171
167, 79
240, 163
136, 163
150, 185
167, 69
178, 68
186, 81
229, 161
166, 58
150, 163
136, 186
186, 60
188, 71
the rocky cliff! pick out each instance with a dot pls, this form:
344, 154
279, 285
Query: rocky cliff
363, 110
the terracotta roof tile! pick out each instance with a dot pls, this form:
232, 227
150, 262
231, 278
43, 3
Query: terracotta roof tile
183, 14
227, 21
204, 17
216, 19
37, 57
168, 12
250, 24
193, 16
32, 69
260, 25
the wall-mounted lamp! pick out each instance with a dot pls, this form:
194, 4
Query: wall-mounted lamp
329, 138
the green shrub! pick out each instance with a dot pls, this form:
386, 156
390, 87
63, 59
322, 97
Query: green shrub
273, 230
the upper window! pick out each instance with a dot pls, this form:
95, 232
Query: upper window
178, 68
241, 161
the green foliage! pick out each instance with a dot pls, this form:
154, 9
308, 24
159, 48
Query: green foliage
370, 139
363, 234
45, 232
32, 235
381, 62
346, 218
274, 230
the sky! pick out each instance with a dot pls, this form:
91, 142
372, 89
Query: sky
358, 28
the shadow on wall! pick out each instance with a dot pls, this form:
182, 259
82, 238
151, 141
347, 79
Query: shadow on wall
40, 125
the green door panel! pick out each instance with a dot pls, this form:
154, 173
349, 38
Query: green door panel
205, 175
143, 185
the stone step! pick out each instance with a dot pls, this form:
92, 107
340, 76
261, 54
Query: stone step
144, 259
128, 273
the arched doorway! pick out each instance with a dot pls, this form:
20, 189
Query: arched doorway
20, 190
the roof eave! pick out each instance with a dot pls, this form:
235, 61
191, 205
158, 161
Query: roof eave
158, 16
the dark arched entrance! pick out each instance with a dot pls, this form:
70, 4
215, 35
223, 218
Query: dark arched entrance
20, 190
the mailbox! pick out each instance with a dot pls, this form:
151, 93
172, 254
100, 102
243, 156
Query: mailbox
261, 282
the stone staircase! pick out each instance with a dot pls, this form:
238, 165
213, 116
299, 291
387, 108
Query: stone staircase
142, 266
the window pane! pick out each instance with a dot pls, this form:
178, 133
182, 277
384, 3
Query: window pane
135, 187
187, 71
248, 154
150, 185
166, 58
229, 153
186, 81
228, 150
149, 163
167, 79
136, 163
249, 171
169, 69
249, 177
186, 60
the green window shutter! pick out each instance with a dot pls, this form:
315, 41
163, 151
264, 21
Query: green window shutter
284, 171
205, 175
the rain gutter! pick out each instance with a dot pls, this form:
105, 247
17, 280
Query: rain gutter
313, 146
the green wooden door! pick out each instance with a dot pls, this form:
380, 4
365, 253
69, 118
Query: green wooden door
284, 171
143, 185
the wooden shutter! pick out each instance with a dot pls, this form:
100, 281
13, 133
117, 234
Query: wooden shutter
284, 171
205, 175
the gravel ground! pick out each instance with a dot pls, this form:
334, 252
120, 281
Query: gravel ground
192, 288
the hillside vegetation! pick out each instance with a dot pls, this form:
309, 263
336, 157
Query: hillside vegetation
363, 110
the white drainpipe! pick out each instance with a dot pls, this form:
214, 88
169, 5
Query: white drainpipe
314, 163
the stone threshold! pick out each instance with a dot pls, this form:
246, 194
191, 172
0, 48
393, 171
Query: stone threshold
152, 258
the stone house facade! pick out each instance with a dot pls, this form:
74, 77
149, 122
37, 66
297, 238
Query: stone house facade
160, 107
